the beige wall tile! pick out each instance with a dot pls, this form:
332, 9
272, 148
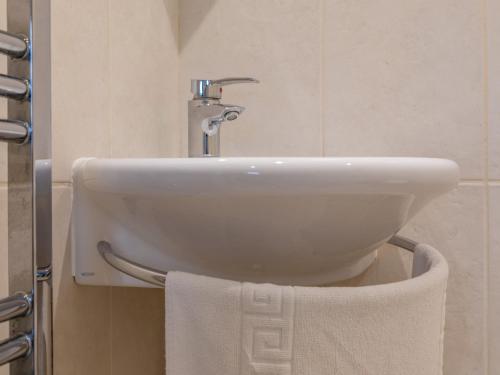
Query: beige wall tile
115, 86
278, 42
455, 225
493, 38
80, 82
143, 78
82, 315
393, 264
404, 78
138, 339
494, 281
104, 105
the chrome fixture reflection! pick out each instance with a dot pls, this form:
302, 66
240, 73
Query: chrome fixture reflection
15, 306
206, 114
12, 45
157, 277
14, 131
130, 268
28, 86
14, 88
15, 348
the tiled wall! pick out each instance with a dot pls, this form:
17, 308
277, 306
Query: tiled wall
493, 204
115, 65
339, 77
368, 78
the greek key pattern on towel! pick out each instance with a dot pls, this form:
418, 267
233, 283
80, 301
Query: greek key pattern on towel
267, 330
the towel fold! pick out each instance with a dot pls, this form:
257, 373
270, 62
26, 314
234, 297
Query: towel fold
221, 327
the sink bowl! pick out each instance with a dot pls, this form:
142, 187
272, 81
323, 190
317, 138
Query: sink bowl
300, 221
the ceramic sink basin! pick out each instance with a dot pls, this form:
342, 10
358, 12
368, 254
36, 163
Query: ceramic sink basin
301, 221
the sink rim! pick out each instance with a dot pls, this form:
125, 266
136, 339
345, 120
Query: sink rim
311, 175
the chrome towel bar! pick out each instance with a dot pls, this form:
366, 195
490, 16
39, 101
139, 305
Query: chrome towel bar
27, 83
14, 131
156, 277
403, 242
15, 348
15, 306
12, 45
130, 268
14, 88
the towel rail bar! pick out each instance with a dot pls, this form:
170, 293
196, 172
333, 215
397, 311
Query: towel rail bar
14, 88
403, 242
14, 131
27, 85
13, 45
156, 277
15, 348
130, 268
15, 306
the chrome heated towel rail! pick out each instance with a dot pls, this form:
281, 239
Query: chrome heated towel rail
157, 277
14, 45
26, 87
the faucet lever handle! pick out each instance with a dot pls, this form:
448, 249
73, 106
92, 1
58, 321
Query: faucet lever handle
206, 88
234, 80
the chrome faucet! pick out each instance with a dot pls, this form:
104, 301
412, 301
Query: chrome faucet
206, 114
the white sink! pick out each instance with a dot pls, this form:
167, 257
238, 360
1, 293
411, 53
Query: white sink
302, 221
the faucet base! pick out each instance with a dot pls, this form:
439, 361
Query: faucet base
211, 145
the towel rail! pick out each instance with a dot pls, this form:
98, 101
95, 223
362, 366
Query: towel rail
12, 45
130, 268
14, 88
27, 85
15, 306
14, 131
403, 242
156, 277
15, 348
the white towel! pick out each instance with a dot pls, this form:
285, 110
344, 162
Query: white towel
220, 327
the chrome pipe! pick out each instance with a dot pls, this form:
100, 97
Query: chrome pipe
14, 131
29, 182
206, 114
130, 268
156, 277
12, 45
15, 348
14, 88
403, 242
15, 306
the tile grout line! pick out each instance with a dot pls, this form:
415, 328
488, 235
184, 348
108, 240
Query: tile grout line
321, 74
108, 86
110, 151
486, 217
178, 83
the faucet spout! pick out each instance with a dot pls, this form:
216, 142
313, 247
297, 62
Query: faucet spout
229, 113
206, 114
205, 120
